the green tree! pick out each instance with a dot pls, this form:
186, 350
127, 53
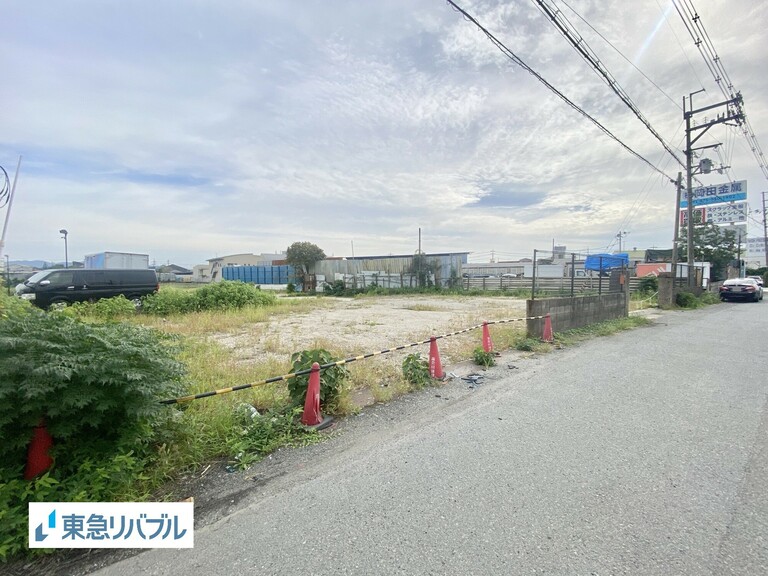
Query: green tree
713, 244
423, 268
303, 256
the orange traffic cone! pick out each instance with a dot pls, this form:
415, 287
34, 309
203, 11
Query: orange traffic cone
548, 336
38, 459
311, 416
487, 343
435, 366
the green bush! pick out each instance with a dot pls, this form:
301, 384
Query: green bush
337, 288
169, 301
104, 309
231, 296
686, 300
13, 305
103, 478
331, 379
649, 284
416, 371
483, 358
96, 387
218, 296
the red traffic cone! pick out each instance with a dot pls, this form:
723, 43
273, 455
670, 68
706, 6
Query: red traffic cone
487, 343
38, 460
435, 366
311, 415
548, 336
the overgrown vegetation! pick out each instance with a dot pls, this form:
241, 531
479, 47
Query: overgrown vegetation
483, 358
95, 387
648, 285
217, 296
526, 344
261, 434
331, 382
690, 300
416, 371
105, 309
85, 343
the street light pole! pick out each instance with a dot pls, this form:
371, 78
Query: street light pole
66, 255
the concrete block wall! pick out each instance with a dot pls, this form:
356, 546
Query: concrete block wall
567, 313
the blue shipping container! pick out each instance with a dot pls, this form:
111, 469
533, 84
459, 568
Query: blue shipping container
260, 274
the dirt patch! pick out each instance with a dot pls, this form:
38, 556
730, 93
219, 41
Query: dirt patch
354, 326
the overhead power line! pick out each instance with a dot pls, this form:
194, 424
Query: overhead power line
619, 52
567, 30
5, 187
517, 60
695, 27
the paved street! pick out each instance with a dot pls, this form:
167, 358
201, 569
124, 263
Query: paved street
643, 453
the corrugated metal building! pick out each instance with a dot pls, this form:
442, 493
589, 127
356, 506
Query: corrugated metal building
444, 266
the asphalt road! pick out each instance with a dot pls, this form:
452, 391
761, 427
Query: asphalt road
644, 453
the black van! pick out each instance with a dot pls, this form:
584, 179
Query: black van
81, 284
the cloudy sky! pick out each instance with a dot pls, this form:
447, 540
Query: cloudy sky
193, 129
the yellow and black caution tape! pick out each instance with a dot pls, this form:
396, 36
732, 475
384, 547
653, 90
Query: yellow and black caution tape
332, 364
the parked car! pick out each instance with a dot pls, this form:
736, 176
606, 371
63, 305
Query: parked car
69, 285
741, 289
758, 279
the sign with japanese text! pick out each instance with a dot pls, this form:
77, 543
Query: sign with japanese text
755, 247
699, 214
717, 194
111, 524
727, 213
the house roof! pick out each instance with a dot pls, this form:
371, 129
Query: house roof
173, 269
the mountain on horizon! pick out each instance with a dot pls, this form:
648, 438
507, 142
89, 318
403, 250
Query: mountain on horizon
33, 263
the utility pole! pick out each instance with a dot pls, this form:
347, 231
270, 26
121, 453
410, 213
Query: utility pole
765, 232
733, 112
676, 237
621, 235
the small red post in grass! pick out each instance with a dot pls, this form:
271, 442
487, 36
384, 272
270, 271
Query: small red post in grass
435, 366
487, 343
38, 459
548, 335
311, 416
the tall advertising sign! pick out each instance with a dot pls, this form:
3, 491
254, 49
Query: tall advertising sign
718, 194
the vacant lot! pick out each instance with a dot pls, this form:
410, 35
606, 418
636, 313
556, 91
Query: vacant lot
352, 326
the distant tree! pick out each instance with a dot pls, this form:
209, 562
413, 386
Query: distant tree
302, 256
423, 267
713, 244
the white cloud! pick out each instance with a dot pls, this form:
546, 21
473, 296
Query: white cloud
187, 131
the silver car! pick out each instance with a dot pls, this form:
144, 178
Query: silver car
741, 289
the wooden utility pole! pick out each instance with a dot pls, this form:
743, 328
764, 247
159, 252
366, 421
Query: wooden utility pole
676, 237
733, 113
765, 232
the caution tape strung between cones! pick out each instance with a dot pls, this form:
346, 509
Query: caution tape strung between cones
284, 377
